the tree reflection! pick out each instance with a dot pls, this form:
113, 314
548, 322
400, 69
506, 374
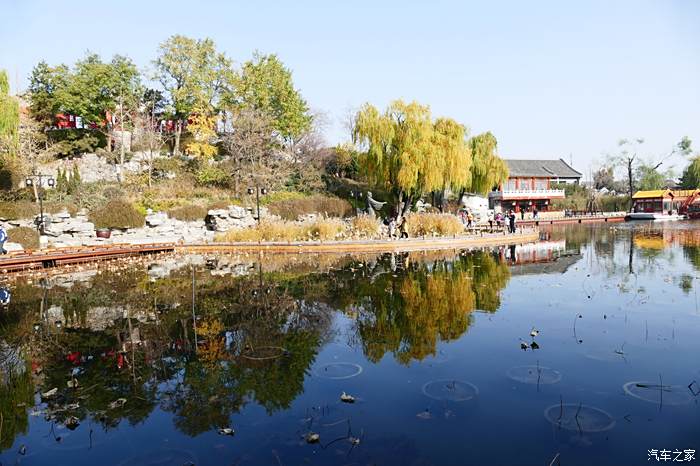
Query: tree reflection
408, 310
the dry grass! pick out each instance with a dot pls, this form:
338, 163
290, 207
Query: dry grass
364, 226
327, 229
425, 224
292, 209
27, 237
280, 230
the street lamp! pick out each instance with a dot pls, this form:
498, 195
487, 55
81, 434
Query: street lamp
257, 190
36, 179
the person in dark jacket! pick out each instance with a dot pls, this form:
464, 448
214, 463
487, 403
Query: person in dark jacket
511, 218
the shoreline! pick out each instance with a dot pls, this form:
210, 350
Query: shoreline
57, 257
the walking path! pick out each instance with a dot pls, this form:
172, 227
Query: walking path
62, 256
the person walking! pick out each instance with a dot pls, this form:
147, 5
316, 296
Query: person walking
489, 216
534, 213
522, 214
3, 239
511, 217
470, 219
402, 227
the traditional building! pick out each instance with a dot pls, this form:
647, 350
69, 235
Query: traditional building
529, 185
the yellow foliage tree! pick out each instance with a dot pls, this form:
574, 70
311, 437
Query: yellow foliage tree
203, 130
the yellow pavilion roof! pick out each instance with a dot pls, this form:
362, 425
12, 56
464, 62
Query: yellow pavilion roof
651, 194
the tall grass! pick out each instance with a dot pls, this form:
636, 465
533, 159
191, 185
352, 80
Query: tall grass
426, 224
325, 229
364, 226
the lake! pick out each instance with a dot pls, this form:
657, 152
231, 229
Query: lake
582, 349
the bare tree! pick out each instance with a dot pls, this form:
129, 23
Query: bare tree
148, 136
626, 158
254, 155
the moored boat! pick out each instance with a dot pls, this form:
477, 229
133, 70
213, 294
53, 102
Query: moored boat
656, 216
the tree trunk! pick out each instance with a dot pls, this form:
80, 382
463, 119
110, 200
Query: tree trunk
629, 180
178, 132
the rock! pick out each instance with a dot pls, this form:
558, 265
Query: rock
218, 213
13, 247
153, 220
235, 211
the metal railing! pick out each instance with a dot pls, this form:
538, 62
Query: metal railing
527, 192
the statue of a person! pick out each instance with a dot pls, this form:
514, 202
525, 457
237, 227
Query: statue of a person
373, 206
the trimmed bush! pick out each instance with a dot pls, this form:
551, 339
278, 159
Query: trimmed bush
27, 237
188, 213
425, 224
118, 214
292, 209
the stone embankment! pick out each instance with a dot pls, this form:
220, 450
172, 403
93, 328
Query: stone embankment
64, 230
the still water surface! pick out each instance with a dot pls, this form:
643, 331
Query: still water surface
115, 366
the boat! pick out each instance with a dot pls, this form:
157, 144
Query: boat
655, 216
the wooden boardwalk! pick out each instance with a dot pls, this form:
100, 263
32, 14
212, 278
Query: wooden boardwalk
74, 255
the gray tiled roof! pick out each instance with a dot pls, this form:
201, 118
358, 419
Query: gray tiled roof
544, 168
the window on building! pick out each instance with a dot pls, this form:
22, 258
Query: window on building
540, 183
509, 185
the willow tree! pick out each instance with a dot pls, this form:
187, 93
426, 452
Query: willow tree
9, 117
455, 155
487, 169
408, 154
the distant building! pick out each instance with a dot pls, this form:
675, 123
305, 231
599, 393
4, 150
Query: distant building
529, 184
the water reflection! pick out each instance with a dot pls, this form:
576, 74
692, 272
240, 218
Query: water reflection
178, 347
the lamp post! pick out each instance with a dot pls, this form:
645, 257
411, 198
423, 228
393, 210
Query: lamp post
37, 180
257, 190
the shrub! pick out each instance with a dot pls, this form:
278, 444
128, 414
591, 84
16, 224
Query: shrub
56, 207
11, 174
433, 224
291, 209
188, 213
18, 210
117, 213
211, 175
27, 237
365, 226
68, 142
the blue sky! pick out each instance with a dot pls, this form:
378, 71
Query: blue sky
548, 78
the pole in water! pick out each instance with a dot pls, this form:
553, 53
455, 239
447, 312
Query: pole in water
194, 316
